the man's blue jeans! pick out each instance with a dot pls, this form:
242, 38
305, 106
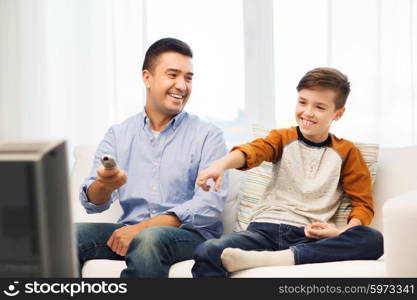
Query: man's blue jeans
150, 254
356, 243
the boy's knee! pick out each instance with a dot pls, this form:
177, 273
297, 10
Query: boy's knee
373, 240
208, 248
370, 234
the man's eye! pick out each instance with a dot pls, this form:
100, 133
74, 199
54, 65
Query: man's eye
171, 75
301, 102
188, 78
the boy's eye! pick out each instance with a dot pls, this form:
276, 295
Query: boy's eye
321, 108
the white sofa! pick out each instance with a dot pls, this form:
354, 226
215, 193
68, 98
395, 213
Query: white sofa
395, 196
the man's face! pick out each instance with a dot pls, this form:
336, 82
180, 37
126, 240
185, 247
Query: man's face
169, 83
315, 112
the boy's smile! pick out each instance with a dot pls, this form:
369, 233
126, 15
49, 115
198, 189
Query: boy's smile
315, 112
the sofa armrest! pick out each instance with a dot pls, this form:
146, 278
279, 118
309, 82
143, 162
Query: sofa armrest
400, 235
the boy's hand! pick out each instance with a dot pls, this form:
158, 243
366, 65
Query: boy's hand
215, 172
321, 230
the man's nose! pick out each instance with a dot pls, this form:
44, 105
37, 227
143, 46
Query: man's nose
180, 83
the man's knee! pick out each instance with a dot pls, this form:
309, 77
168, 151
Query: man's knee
84, 232
151, 239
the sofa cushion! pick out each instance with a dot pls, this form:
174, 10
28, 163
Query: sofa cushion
366, 268
258, 178
341, 269
104, 268
351, 268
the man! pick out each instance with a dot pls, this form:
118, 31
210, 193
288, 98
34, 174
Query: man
159, 153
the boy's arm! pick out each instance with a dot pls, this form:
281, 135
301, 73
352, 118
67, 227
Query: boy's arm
244, 157
234, 159
357, 183
265, 149
352, 223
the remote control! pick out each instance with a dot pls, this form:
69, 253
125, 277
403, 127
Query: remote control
108, 162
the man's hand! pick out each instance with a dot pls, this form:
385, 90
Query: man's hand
121, 238
321, 230
111, 179
106, 182
215, 172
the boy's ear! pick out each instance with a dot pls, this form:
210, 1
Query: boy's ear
146, 76
339, 113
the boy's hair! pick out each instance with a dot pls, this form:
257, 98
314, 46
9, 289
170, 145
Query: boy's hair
327, 78
162, 46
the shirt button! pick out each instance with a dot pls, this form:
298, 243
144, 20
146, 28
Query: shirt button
155, 163
153, 211
154, 188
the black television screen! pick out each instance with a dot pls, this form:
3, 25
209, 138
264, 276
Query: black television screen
36, 230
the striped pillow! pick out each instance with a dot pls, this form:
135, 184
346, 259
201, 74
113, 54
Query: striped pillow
257, 179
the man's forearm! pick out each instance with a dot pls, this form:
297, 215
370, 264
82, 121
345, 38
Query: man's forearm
161, 220
97, 193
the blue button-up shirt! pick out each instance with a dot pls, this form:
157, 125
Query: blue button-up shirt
162, 172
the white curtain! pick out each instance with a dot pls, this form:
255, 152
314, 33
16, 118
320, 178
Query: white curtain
69, 68
373, 42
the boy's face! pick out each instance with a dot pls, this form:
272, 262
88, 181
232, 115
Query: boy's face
315, 112
169, 84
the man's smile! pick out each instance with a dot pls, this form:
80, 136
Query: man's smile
176, 96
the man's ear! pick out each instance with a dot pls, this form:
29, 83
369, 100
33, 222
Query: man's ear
339, 113
147, 76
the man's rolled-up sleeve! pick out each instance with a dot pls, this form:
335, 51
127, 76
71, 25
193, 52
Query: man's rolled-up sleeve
106, 147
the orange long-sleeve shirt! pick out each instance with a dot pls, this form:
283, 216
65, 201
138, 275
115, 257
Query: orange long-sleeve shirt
309, 178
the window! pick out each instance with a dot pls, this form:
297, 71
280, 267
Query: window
214, 31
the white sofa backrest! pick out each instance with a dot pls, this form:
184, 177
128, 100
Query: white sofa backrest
396, 174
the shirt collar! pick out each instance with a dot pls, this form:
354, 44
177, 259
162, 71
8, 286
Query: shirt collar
310, 143
174, 123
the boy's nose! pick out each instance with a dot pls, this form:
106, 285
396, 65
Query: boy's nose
308, 111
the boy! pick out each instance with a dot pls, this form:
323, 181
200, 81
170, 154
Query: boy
312, 168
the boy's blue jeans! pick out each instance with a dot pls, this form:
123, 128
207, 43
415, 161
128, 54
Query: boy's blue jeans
356, 243
150, 254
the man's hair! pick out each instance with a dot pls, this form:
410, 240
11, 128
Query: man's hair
164, 45
327, 78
